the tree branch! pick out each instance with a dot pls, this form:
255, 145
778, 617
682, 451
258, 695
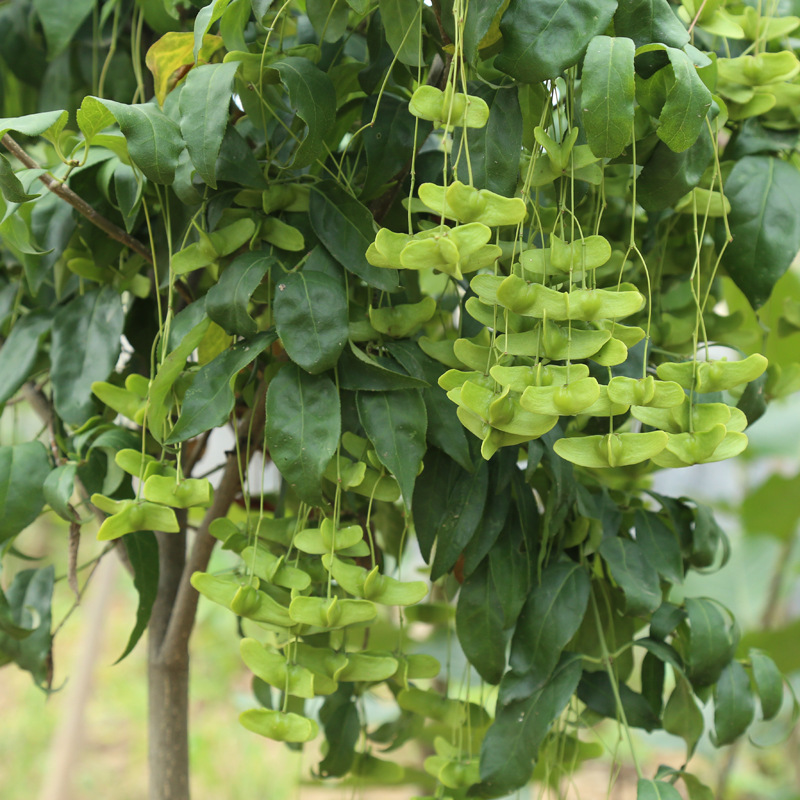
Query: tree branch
78, 203
181, 621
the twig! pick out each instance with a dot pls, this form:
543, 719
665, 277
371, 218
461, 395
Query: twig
181, 620
78, 203
697, 16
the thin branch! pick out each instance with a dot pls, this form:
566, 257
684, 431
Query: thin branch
78, 203
181, 621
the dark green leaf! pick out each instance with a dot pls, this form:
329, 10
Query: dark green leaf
653, 672
10, 185
632, 572
769, 683
667, 176
361, 372
552, 614
395, 423
226, 301
464, 506
344, 226
19, 351
209, 400
682, 717
390, 140
444, 428
236, 162
494, 149
58, 488
711, 642
511, 744
313, 95
734, 705
154, 140
479, 624
510, 570
544, 38
764, 223
596, 691
203, 105
142, 550
647, 789
23, 469
403, 25
647, 21
311, 317
666, 618
607, 94
29, 597
477, 24
85, 347
339, 716
753, 402
659, 545
303, 427
61, 21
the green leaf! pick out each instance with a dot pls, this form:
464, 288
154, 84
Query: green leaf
328, 18
311, 317
23, 469
236, 162
389, 140
660, 545
552, 614
61, 21
635, 576
303, 426
511, 744
19, 351
495, 148
203, 106
402, 21
607, 94
544, 38
769, 683
154, 140
647, 21
58, 487
339, 717
479, 624
29, 597
209, 400
345, 227
683, 117
596, 691
142, 550
783, 645
682, 717
31, 124
734, 705
477, 24
647, 789
444, 428
93, 117
361, 372
226, 302
10, 184
667, 176
765, 226
205, 18
159, 402
395, 423
313, 95
777, 494
711, 642
85, 348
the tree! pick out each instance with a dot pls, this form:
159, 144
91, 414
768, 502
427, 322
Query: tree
467, 276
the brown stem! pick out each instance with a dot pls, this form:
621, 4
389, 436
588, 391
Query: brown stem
78, 203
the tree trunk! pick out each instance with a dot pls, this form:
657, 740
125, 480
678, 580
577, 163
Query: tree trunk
168, 683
